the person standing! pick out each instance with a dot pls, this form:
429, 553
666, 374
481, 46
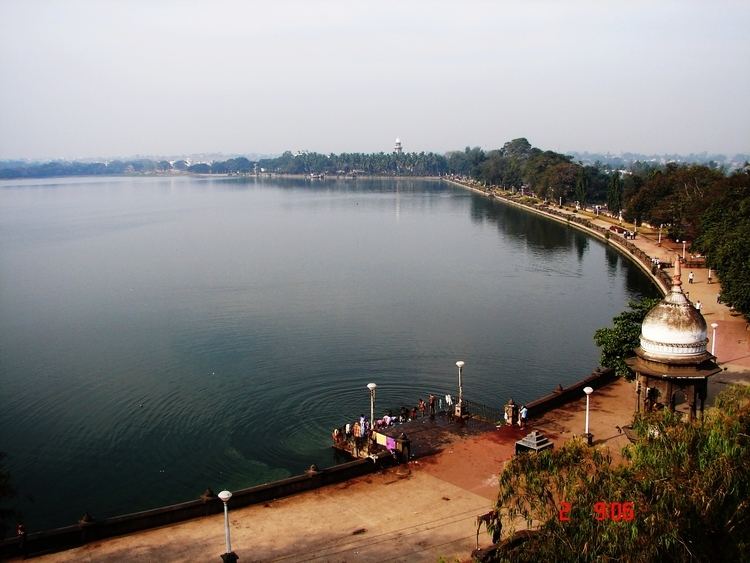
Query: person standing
523, 413
357, 431
698, 304
691, 277
431, 404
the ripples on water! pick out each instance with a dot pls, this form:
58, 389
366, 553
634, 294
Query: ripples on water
160, 336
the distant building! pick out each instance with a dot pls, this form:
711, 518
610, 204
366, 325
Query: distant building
398, 149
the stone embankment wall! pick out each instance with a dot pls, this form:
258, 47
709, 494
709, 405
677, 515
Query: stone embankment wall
660, 277
88, 531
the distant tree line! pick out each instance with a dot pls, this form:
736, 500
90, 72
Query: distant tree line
696, 202
547, 174
377, 164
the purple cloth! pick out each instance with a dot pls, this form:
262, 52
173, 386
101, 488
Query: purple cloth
390, 443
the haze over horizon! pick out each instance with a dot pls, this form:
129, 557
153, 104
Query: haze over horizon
85, 78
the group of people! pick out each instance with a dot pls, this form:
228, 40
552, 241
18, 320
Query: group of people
356, 434
512, 414
360, 430
424, 408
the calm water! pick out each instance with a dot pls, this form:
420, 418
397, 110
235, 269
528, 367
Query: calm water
159, 336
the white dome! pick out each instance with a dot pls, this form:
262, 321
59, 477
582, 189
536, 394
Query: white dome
674, 329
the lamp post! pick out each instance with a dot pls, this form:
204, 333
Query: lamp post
660, 226
684, 242
588, 391
229, 556
372, 387
713, 339
460, 406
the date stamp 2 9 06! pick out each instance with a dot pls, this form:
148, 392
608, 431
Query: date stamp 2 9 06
615, 511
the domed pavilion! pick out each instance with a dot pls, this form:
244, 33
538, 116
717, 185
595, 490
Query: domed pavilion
672, 358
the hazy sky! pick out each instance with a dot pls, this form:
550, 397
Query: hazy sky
107, 78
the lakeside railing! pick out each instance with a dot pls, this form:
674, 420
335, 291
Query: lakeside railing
482, 412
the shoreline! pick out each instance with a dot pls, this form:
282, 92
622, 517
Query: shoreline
265, 175
660, 282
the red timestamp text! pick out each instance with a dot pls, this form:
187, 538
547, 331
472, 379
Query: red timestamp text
615, 511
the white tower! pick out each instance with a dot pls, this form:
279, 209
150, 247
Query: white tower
398, 149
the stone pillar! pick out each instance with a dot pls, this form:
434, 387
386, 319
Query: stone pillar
702, 391
670, 390
691, 402
638, 386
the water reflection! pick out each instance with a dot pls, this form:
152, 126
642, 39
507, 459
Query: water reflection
527, 229
581, 244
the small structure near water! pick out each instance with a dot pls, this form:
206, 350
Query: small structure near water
533, 442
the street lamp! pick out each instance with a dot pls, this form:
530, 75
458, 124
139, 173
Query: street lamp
229, 556
460, 406
372, 387
713, 339
588, 391
684, 242
660, 226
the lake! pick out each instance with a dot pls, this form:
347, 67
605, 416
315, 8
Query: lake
162, 335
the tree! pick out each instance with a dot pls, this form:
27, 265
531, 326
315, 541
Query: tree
581, 191
517, 149
614, 193
617, 342
725, 232
682, 493
200, 168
